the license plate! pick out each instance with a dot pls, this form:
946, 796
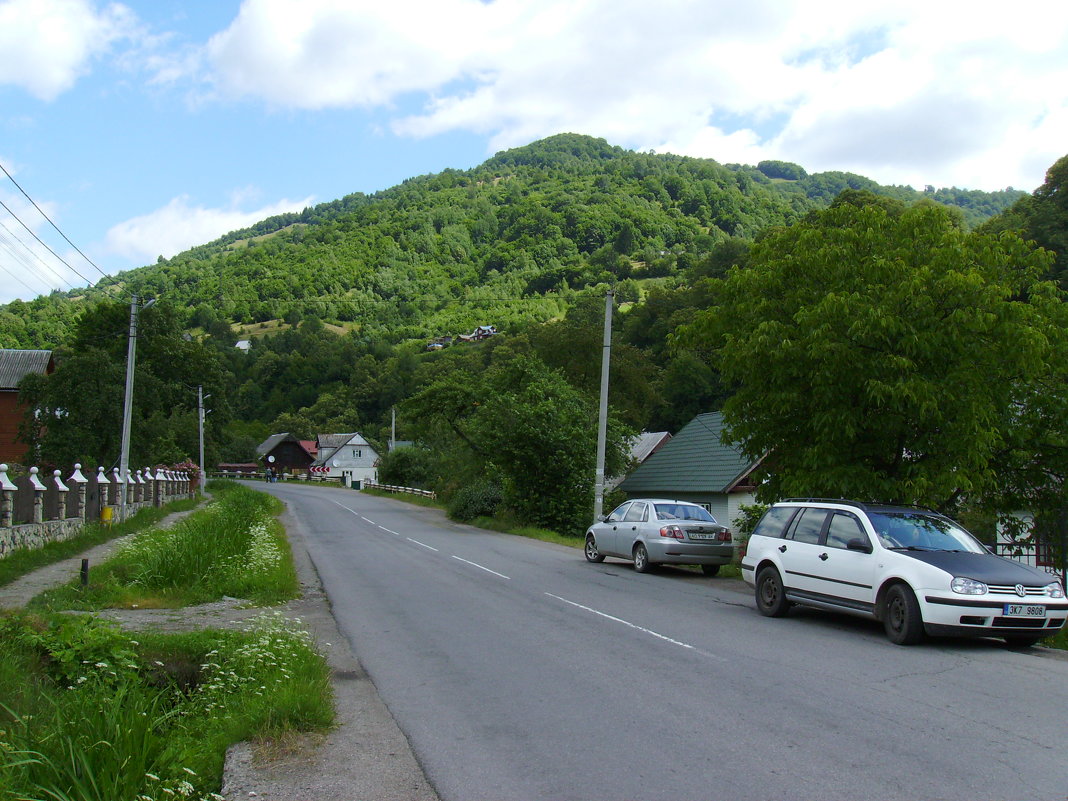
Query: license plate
700, 535
1024, 610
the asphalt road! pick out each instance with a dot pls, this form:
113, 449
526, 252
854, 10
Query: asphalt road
519, 671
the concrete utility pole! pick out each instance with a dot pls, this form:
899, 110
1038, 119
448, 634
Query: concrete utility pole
127, 406
200, 415
602, 417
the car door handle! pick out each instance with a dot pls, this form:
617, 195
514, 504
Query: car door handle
823, 557
782, 549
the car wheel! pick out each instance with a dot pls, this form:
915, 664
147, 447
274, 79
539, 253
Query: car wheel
901, 616
641, 559
710, 570
770, 595
592, 554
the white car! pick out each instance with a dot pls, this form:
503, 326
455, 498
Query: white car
915, 570
653, 531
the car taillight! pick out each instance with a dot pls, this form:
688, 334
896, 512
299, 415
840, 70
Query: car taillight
725, 535
671, 531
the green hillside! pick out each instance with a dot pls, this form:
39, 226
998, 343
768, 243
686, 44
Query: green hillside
509, 240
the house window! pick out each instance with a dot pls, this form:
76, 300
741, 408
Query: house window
357, 453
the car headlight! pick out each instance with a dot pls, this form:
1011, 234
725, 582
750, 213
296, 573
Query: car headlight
967, 586
1055, 590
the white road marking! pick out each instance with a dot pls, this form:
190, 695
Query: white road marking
428, 547
642, 629
390, 531
480, 567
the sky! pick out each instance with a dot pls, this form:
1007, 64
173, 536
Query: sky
134, 130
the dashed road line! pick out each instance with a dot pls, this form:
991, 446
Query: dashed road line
480, 567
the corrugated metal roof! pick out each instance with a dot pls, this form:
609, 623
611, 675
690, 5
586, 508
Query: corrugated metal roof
16, 364
694, 460
643, 445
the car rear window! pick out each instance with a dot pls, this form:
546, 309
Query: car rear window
774, 521
683, 511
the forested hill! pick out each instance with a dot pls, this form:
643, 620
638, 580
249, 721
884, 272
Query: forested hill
508, 241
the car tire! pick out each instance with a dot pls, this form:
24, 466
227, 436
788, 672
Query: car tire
710, 570
901, 616
641, 559
592, 554
770, 594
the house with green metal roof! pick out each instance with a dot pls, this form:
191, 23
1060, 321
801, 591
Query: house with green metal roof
695, 465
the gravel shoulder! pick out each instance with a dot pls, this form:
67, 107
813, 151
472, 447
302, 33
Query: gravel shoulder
366, 756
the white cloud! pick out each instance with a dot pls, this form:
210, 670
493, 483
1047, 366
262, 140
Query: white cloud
179, 226
903, 90
46, 45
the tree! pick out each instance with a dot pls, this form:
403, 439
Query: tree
883, 353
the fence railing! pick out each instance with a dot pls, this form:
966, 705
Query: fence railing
404, 490
36, 508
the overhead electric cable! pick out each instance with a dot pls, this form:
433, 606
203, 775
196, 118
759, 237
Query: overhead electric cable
28, 249
45, 245
2, 267
41, 212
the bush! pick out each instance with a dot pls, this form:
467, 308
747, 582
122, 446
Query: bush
407, 467
476, 500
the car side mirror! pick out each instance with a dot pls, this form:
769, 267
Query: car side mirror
601, 518
857, 544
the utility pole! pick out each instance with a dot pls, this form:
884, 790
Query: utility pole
200, 415
127, 406
602, 416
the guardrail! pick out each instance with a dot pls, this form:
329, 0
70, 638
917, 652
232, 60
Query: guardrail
402, 490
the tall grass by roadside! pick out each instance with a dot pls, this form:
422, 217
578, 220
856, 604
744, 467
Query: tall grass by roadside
24, 560
97, 715
89, 713
233, 546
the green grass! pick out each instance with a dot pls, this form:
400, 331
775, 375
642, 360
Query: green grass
233, 546
99, 715
26, 560
91, 713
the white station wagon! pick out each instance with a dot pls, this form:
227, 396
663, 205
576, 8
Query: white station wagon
915, 570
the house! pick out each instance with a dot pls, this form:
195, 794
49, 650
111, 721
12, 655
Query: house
14, 366
695, 465
349, 458
480, 333
284, 453
642, 447
244, 345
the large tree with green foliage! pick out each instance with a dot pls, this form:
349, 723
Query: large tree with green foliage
79, 407
879, 352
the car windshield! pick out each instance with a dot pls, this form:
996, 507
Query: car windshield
923, 532
682, 511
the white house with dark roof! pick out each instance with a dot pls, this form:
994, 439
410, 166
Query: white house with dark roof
695, 465
349, 458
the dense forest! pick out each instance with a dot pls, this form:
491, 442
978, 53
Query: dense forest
341, 301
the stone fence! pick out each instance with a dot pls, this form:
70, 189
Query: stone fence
36, 510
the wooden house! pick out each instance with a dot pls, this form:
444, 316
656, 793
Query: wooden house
14, 366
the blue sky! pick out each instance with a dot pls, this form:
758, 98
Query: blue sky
145, 127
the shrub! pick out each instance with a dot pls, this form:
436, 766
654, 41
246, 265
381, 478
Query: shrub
476, 500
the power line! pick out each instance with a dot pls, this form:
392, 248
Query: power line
28, 249
42, 243
41, 212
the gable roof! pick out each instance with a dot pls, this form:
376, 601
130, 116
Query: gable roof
17, 364
272, 442
329, 444
694, 460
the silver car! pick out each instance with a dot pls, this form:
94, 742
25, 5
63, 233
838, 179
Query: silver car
652, 531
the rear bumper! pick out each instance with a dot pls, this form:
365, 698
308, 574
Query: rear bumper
674, 552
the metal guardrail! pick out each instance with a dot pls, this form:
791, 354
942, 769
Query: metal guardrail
403, 490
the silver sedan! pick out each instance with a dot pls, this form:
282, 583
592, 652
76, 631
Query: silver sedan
652, 531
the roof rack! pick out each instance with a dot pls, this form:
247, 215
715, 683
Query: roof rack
859, 504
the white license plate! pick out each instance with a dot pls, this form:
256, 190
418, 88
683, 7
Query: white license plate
1024, 610
700, 535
